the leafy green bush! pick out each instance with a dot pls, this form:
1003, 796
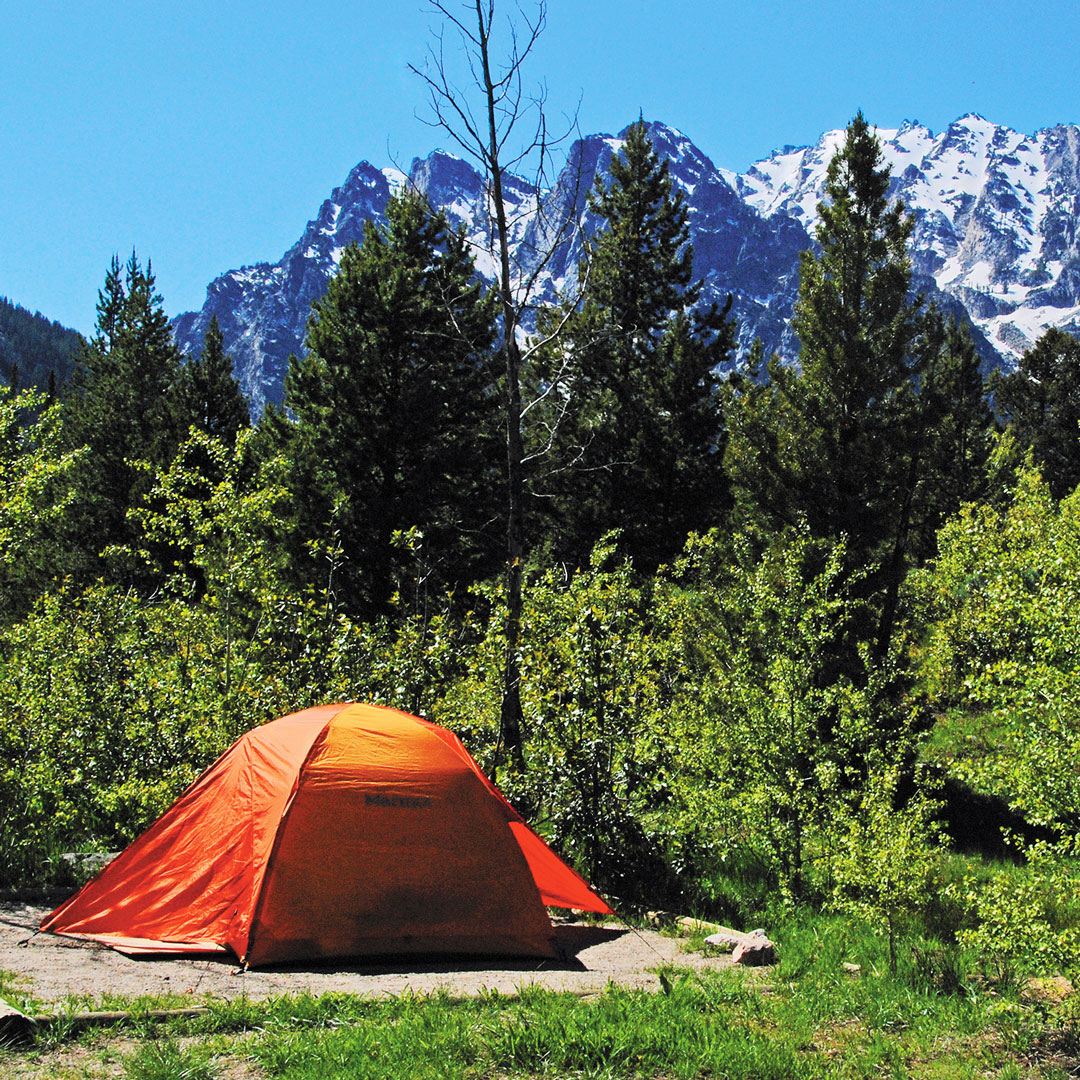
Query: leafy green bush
777, 736
1028, 917
596, 696
1003, 600
35, 494
886, 864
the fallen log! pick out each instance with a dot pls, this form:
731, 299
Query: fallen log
14, 1023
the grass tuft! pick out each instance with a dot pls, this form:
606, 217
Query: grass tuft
166, 1060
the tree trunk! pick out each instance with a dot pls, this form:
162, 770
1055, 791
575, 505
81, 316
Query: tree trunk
510, 716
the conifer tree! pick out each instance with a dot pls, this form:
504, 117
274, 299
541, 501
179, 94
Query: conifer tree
392, 411
1041, 403
122, 403
31, 346
635, 446
210, 396
841, 440
959, 426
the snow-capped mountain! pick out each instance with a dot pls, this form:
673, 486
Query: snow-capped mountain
996, 236
996, 215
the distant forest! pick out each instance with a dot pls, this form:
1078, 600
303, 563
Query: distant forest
32, 347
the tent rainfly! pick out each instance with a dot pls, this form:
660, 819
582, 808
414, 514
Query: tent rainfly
342, 830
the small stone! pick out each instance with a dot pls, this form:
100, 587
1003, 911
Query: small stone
755, 951
725, 939
852, 969
696, 926
661, 918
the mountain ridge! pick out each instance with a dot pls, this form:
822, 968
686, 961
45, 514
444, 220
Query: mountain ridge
996, 236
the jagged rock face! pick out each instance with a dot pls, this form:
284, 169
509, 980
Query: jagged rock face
995, 236
263, 309
995, 219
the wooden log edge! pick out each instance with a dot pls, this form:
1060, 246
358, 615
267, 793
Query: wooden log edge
14, 1023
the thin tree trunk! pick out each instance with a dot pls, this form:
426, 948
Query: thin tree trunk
510, 717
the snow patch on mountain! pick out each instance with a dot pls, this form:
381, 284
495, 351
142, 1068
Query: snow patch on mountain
995, 237
995, 213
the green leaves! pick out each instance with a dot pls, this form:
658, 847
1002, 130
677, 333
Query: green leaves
594, 663
787, 724
1004, 598
886, 864
1041, 401
36, 492
217, 512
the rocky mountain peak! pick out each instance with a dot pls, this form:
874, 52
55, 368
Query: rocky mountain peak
449, 182
996, 234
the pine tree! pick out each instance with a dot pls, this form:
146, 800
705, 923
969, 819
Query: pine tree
959, 427
840, 440
393, 411
634, 416
1041, 403
210, 396
856, 327
122, 403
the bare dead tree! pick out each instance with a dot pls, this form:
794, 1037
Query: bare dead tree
493, 120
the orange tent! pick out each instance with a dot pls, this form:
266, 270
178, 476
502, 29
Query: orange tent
343, 830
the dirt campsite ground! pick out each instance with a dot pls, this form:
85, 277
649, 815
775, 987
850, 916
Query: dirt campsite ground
54, 968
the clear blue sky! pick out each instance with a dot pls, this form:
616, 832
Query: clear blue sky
205, 134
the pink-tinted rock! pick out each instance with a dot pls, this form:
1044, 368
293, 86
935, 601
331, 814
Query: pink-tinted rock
755, 951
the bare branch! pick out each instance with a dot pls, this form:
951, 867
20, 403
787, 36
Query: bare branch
496, 142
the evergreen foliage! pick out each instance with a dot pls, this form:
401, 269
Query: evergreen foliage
632, 428
836, 457
33, 348
1041, 402
857, 440
123, 404
959, 431
391, 413
209, 393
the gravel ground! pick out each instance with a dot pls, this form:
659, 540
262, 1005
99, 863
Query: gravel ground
53, 968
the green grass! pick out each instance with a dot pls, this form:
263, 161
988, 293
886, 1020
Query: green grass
938, 1017
14, 989
165, 1059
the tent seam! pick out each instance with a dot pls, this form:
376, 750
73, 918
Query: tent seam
256, 908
